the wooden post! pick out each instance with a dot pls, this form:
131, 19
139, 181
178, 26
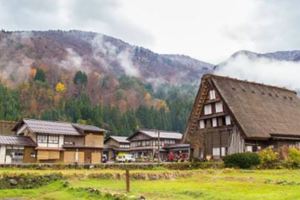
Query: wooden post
127, 175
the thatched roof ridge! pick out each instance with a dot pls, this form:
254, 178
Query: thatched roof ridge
249, 82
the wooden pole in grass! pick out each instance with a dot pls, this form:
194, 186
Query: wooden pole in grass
127, 179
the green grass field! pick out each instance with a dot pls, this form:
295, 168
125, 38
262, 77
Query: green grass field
208, 184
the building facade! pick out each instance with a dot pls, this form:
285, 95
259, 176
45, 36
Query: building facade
61, 142
231, 116
145, 144
115, 145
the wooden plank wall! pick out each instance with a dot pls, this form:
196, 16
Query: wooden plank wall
237, 142
94, 140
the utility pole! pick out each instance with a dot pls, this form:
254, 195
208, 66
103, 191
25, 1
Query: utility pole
158, 154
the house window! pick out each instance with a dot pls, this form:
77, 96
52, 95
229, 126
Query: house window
214, 122
249, 149
42, 138
219, 107
216, 151
53, 139
202, 124
227, 120
148, 143
207, 109
212, 94
223, 151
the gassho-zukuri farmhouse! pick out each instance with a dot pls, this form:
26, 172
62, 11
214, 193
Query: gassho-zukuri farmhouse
231, 116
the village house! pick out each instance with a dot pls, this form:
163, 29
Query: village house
60, 142
145, 144
12, 148
231, 116
114, 145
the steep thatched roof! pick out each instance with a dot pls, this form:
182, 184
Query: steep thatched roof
260, 110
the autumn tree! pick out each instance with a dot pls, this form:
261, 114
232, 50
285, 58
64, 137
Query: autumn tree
60, 87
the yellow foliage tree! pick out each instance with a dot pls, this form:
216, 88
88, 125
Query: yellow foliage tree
161, 104
60, 87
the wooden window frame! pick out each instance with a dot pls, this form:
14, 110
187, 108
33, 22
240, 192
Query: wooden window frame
44, 140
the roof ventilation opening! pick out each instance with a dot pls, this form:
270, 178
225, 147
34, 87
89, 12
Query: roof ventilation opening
270, 95
233, 89
253, 91
243, 90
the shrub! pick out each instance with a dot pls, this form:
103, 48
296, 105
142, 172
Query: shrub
293, 157
268, 158
242, 160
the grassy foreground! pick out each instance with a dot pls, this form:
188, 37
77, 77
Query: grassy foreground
222, 184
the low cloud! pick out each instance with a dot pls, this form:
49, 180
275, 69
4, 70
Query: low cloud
104, 50
263, 70
73, 61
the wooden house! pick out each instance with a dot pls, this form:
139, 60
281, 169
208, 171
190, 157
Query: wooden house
61, 142
231, 116
12, 148
146, 143
114, 145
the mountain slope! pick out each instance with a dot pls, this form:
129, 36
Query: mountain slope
292, 56
91, 52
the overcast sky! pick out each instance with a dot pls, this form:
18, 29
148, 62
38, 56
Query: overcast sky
209, 30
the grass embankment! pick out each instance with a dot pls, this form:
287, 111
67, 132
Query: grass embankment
206, 184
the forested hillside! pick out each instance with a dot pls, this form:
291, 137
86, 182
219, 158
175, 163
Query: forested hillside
37, 99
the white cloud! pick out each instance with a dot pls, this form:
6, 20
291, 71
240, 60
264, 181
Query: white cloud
263, 70
210, 30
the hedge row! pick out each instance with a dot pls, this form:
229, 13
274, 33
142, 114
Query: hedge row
130, 166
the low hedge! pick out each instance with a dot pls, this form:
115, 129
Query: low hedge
242, 160
130, 166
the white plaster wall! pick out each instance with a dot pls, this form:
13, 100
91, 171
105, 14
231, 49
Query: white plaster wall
52, 145
42, 144
2, 154
61, 141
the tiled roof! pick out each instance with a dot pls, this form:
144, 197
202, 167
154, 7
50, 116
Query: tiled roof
120, 139
162, 134
16, 140
58, 128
